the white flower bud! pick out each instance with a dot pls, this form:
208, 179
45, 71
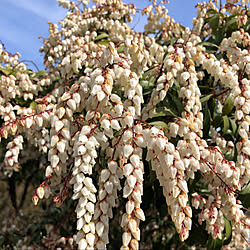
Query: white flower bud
188, 211
89, 183
81, 150
105, 173
54, 160
92, 197
188, 222
39, 121
130, 206
183, 185
109, 187
90, 207
115, 125
87, 217
102, 193
134, 244
54, 140
28, 122
127, 150
132, 225
82, 244
137, 233
65, 133
77, 98
49, 171
128, 169
176, 191
86, 228
100, 95
85, 191
79, 223
46, 192
40, 192
90, 239
61, 146
138, 174
131, 180
136, 195
135, 160
105, 124
100, 245
126, 238
58, 125
92, 227
97, 213
72, 105
77, 187
129, 120
99, 79
105, 219
125, 219
104, 206
139, 214
85, 130
127, 190
99, 228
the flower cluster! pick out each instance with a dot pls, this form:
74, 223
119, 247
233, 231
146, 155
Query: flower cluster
117, 104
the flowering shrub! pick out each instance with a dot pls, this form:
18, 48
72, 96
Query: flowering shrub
119, 113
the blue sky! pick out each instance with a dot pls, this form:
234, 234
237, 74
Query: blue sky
23, 21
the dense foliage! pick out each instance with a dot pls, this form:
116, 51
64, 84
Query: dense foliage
129, 136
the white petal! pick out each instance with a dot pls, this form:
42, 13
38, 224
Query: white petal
79, 223
99, 228
131, 180
140, 214
82, 244
126, 237
105, 173
90, 239
108, 186
58, 125
61, 146
130, 206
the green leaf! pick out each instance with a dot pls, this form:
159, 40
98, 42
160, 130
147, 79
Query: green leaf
212, 11
165, 54
217, 121
214, 244
233, 126
120, 48
206, 121
207, 44
148, 72
231, 23
228, 232
163, 111
228, 105
206, 98
33, 105
173, 40
41, 73
6, 71
176, 101
159, 124
101, 36
177, 84
103, 42
1, 240
225, 124
245, 190
213, 21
